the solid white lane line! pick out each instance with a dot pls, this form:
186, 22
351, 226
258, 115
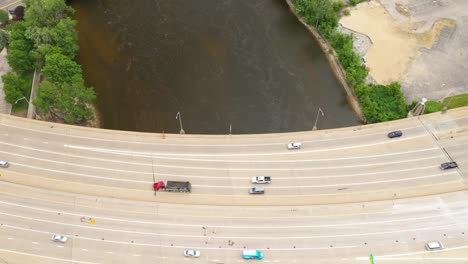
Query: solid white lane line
217, 168
408, 208
238, 187
436, 227
330, 185
425, 258
263, 226
197, 154
173, 246
226, 169
413, 253
203, 145
47, 257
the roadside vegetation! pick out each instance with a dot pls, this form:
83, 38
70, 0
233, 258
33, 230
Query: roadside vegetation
448, 103
47, 40
378, 102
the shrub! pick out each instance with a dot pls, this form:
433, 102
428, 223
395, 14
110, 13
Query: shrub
4, 39
338, 5
355, 2
432, 106
382, 103
15, 87
4, 17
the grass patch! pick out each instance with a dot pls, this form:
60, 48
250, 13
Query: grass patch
456, 101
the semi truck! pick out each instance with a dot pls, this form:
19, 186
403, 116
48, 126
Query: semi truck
172, 186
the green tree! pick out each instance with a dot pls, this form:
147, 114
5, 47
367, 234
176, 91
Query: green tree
45, 13
15, 87
61, 38
4, 17
60, 69
20, 56
71, 102
4, 39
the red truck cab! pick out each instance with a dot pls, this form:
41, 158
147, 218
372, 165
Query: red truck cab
158, 185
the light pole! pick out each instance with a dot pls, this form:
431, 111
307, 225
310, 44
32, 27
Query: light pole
316, 119
27, 101
22, 98
178, 116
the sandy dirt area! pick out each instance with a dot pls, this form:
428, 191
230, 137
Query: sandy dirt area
394, 45
420, 43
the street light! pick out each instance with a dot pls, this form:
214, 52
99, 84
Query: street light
22, 98
316, 119
178, 116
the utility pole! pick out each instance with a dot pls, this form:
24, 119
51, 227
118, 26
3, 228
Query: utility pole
178, 116
316, 119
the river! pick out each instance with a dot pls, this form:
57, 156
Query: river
240, 65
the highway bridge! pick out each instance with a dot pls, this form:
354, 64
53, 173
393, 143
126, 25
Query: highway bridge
345, 194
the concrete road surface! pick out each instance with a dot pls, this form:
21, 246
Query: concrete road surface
347, 193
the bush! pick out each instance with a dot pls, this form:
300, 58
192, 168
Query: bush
4, 17
355, 2
15, 87
4, 39
338, 5
381, 103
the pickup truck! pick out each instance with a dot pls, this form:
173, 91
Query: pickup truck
261, 179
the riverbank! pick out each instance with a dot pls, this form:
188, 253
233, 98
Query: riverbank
337, 69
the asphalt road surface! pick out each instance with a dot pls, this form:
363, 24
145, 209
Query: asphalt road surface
347, 193
9, 4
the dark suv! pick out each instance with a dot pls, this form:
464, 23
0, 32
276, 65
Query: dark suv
448, 165
395, 134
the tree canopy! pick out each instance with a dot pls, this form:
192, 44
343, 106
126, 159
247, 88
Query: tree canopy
60, 68
45, 13
20, 56
70, 101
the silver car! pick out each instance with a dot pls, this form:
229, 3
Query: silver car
4, 163
191, 253
256, 190
59, 238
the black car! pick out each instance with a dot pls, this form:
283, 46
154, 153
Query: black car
448, 165
395, 134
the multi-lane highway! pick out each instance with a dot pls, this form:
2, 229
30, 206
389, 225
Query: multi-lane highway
347, 193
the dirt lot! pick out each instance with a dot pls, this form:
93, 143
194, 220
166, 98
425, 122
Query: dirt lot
420, 43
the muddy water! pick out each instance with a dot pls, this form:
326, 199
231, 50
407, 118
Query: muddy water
246, 64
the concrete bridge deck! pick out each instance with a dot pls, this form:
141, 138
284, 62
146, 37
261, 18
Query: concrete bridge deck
347, 193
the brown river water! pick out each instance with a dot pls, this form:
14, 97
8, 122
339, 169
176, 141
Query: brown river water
245, 64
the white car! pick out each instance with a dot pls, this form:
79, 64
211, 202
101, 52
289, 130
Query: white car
59, 238
435, 245
295, 145
191, 253
4, 163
